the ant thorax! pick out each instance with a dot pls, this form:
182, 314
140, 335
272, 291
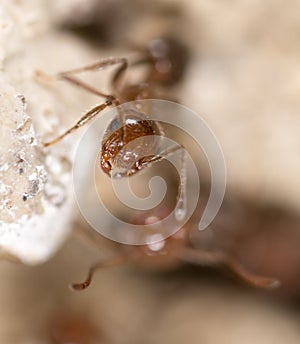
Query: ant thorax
130, 139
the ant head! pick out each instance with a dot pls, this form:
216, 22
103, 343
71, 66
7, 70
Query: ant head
129, 139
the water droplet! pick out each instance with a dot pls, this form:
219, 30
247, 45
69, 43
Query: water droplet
180, 210
156, 242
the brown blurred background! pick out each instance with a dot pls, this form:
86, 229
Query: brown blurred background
243, 78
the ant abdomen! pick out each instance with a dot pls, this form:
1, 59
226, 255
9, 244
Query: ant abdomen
125, 145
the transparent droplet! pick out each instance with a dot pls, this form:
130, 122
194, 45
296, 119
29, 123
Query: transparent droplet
156, 242
180, 210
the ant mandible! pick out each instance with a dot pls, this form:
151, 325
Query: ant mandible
166, 60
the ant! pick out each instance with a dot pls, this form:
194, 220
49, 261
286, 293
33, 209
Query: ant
166, 60
175, 251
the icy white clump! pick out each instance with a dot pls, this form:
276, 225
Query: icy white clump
32, 195
36, 201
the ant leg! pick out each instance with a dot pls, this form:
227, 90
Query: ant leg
146, 161
194, 256
99, 65
68, 75
82, 121
100, 265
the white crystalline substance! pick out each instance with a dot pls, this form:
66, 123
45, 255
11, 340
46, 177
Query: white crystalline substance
32, 196
36, 205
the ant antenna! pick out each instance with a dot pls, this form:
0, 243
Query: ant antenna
99, 265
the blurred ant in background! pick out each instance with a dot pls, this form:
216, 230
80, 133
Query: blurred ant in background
177, 250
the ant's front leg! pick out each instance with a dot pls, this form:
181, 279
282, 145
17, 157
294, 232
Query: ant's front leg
82, 121
69, 74
148, 160
69, 77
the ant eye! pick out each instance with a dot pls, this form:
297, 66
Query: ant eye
130, 119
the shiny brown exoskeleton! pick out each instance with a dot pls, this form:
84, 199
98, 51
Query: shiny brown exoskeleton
133, 157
